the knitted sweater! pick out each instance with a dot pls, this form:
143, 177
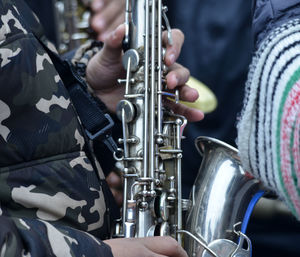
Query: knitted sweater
269, 126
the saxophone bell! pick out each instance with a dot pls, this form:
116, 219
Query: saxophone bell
223, 197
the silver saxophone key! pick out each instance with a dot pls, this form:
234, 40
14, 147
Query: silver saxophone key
227, 248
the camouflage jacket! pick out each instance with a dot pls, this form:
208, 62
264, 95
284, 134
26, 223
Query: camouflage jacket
52, 200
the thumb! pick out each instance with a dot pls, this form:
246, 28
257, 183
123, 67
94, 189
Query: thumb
112, 49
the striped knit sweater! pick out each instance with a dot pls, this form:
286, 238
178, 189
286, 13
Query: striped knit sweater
269, 126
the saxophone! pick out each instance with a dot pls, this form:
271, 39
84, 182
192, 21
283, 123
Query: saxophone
223, 193
151, 153
73, 23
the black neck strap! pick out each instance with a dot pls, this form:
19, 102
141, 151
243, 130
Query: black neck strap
96, 122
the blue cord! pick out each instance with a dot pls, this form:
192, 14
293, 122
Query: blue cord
168, 94
250, 208
248, 213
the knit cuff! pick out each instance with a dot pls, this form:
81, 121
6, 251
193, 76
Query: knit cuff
269, 126
83, 55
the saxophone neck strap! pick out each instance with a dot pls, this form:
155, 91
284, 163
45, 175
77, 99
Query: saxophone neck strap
91, 111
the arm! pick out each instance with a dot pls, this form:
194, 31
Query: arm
24, 237
270, 14
268, 129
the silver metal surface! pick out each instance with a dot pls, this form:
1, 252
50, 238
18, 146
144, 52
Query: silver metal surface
163, 207
135, 60
220, 247
227, 248
152, 152
127, 20
240, 251
146, 83
164, 229
151, 155
221, 194
199, 241
128, 108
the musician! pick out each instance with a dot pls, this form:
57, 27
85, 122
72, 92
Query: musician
268, 130
53, 197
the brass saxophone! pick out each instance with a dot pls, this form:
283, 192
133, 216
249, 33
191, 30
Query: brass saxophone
151, 156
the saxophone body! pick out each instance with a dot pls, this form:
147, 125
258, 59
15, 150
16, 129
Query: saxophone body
151, 153
218, 209
223, 197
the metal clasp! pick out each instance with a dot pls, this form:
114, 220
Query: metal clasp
102, 131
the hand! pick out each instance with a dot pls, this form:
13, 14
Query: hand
107, 15
114, 182
144, 247
106, 67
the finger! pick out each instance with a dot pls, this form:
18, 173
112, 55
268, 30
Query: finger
165, 246
118, 196
151, 253
178, 75
173, 50
190, 114
113, 10
131, 247
103, 20
113, 45
112, 26
115, 38
96, 22
187, 93
97, 5
113, 180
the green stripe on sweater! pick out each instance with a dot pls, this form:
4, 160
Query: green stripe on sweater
295, 77
294, 173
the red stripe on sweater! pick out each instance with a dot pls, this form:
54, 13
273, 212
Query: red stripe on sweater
290, 114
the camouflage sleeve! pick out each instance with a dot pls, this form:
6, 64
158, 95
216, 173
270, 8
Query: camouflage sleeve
37, 238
